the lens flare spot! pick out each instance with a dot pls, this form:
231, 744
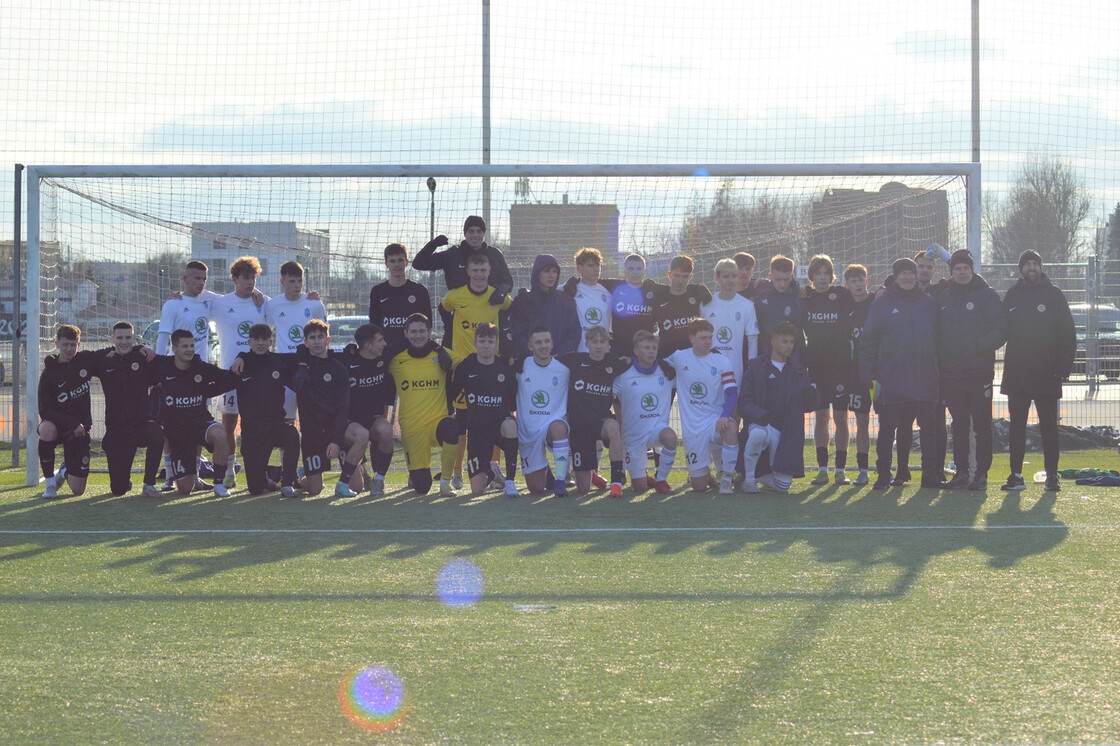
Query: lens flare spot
700, 172
373, 699
459, 583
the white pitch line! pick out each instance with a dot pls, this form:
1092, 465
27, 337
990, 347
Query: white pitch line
619, 530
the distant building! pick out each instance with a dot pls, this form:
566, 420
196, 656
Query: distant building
272, 242
874, 228
560, 230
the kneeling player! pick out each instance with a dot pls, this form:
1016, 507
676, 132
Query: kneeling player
265, 379
65, 412
542, 400
420, 373
707, 393
323, 399
590, 394
777, 392
185, 384
489, 386
645, 393
371, 394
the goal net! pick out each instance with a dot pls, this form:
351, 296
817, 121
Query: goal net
112, 247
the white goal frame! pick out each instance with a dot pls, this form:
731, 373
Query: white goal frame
34, 174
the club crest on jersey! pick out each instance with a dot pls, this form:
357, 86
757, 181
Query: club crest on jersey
692, 301
412, 299
327, 377
649, 402
82, 373
540, 399
661, 380
198, 378
276, 375
738, 315
243, 329
1042, 308
698, 390
969, 306
555, 381
200, 325
649, 295
712, 371
136, 366
832, 296
610, 369
501, 378
787, 311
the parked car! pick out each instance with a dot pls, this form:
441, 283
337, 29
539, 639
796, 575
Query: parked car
1107, 324
342, 330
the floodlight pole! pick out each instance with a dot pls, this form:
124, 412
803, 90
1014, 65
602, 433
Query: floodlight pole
432, 189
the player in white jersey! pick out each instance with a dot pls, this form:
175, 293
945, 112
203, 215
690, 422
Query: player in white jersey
190, 311
593, 301
733, 318
234, 314
542, 403
706, 392
287, 314
645, 394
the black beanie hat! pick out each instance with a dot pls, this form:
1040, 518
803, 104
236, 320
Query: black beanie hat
961, 256
474, 221
1027, 255
905, 264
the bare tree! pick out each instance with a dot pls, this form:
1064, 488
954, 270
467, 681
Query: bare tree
764, 225
1044, 212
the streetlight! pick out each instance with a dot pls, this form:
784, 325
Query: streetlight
432, 189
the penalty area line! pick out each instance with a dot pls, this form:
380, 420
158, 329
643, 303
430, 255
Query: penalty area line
593, 530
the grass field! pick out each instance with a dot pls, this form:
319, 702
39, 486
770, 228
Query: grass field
834, 615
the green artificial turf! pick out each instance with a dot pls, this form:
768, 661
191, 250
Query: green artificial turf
834, 615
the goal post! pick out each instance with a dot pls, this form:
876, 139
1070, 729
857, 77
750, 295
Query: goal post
96, 234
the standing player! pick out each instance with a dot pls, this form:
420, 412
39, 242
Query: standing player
707, 392
745, 283
393, 301
733, 318
371, 394
184, 384
776, 300
288, 313
859, 401
420, 373
544, 304
125, 378
488, 385
590, 395
191, 311
675, 306
631, 302
542, 402
323, 394
645, 395
64, 412
264, 381
828, 356
593, 301
235, 313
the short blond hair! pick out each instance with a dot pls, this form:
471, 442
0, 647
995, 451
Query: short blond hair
597, 333
726, 265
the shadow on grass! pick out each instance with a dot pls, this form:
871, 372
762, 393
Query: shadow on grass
198, 536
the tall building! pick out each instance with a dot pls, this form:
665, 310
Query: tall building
273, 242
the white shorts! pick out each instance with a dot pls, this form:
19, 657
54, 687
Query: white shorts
533, 450
227, 403
637, 465
698, 449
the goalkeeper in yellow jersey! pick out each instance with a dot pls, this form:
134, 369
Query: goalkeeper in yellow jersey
421, 372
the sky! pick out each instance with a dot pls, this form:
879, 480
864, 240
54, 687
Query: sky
578, 82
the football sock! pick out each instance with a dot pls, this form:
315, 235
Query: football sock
730, 452
219, 472
618, 474
861, 460
347, 472
46, 458
509, 448
665, 463
560, 452
822, 457
841, 460
447, 458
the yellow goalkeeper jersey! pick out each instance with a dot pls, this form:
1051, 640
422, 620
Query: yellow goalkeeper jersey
421, 381
468, 311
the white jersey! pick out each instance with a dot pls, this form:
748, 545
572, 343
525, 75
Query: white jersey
702, 383
288, 318
234, 316
734, 320
542, 397
192, 314
646, 399
593, 303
